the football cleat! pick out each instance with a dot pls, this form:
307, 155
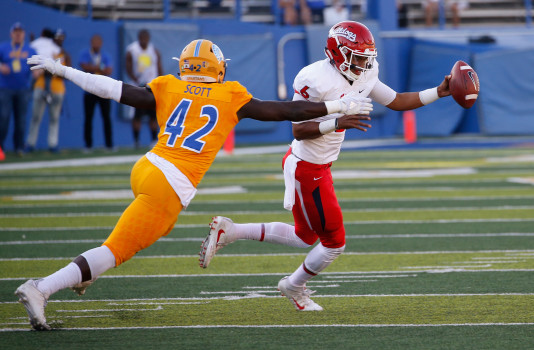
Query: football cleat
34, 301
81, 287
299, 296
221, 234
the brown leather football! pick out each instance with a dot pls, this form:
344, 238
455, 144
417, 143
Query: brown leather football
464, 84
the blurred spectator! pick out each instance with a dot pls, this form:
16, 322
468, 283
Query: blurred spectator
302, 11
215, 3
335, 13
59, 38
432, 9
289, 12
312, 11
93, 60
143, 64
15, 79
47, 90
402, 11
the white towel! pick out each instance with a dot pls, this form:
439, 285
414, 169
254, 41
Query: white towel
290, 167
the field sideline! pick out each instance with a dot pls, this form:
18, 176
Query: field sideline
439, 254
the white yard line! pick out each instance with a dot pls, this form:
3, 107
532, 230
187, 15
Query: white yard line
239, 201
334, 274
199, 239
408, 325
118, 194
278, 296
362, 222
272, 212
95, 161
506, 251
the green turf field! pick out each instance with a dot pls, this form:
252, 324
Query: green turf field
439, 255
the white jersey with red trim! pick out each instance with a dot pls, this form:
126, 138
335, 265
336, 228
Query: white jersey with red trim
319, 82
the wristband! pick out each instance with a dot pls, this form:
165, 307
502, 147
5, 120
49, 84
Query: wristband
333, 106
328, 126
429, 95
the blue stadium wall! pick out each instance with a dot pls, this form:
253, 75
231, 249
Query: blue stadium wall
409, 61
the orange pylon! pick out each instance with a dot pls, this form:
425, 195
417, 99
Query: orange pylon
229, 144
410, 130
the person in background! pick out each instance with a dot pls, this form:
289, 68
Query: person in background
196, 111
402, 14
335, 13
47, 90
15, 80
59, 39
431, 8
143, 64
312, 11
304, 12
290, 15
95, 61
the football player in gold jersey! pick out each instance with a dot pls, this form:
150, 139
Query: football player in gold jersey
195, 111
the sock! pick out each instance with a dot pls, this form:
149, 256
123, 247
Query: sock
318, 259
273, 232
68, 276
100, 260
249, 231
97, 260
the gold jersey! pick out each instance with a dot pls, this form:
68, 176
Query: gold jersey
195, 120
57, 84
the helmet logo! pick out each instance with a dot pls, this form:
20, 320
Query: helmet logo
217, 52
344, 33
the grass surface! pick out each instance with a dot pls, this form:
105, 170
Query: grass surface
436, 261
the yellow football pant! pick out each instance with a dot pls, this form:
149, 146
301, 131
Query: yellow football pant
150, 216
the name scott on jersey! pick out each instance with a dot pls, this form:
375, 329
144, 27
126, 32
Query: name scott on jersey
197, 90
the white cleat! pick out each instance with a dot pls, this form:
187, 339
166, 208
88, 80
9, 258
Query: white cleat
299, 296
221, 234
34, 301
81, 287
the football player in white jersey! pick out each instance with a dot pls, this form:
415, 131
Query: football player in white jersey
350, 67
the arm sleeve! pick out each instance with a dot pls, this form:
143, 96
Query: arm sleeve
382, 94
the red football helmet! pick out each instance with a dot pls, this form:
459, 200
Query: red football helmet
351, 49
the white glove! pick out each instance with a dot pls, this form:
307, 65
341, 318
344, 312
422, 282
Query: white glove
350, 104
354, 104
41, 62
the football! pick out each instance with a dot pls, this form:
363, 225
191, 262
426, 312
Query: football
464, 84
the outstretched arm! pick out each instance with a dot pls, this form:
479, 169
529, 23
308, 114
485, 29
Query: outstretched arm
303, 110
410, 100
138, 97
98, 85
278, 111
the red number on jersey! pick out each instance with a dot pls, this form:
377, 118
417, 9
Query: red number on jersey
303, 92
